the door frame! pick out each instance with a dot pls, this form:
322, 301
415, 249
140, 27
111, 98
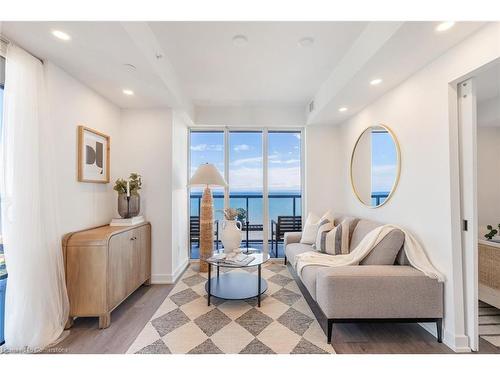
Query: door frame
467, 131
466, 198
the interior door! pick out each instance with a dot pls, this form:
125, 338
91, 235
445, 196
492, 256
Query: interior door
467, 118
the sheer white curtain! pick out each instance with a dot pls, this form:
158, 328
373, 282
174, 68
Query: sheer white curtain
36, 300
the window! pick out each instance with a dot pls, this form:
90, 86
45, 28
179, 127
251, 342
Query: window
205, 147
2, 81
239, 156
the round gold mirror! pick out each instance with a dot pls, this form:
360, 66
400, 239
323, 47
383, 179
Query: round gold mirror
375, 166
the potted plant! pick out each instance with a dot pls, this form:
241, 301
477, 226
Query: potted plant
129, 200
492, 232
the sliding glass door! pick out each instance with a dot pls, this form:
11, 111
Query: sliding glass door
246, 184
285, 186
205, 147
263, 169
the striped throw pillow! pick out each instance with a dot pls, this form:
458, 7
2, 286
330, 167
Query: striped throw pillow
336, 241
323, 230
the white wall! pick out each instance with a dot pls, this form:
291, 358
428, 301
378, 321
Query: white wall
71, 103
488, 176
180, 243
149, 142
427, 197
323, 162
146, 148
251, 115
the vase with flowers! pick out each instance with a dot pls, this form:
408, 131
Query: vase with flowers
129, 200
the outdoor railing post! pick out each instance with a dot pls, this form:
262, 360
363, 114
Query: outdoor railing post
248, 220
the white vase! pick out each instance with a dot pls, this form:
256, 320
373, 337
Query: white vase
231, 235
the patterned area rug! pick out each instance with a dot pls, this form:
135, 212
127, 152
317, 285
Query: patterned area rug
489, 323
185, 324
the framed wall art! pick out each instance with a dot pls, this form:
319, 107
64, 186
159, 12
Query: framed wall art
93, 156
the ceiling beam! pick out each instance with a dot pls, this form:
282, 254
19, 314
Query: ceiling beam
147, 43
369, 42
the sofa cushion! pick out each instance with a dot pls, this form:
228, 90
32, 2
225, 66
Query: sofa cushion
386, 250
362, 228
312, 225
402, 259
294, 249
308, 278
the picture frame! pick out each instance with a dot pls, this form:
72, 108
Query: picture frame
93, 156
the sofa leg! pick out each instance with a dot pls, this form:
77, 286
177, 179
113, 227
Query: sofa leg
329, 331
439, 327
285, 260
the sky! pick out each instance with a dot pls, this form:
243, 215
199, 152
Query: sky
384, 161
245, 159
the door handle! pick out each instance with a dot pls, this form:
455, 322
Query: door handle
133, 238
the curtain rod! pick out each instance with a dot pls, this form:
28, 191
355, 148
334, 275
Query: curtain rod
7, 41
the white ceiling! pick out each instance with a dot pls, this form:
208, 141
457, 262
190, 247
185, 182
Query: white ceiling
271, 68
95, 55
184, 63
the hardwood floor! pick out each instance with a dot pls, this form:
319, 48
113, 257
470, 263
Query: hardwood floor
127, 321
130, 317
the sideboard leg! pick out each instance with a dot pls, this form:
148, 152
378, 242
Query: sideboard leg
104, 321
147, 282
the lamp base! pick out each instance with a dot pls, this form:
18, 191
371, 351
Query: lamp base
206, 228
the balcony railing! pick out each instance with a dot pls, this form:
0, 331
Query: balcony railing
280, 204
379, 197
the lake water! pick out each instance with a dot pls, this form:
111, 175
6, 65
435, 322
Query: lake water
281, 203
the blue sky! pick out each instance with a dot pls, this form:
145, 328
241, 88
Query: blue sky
384, 160
245, 158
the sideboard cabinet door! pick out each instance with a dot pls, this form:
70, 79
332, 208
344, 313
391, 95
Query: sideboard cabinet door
122, 277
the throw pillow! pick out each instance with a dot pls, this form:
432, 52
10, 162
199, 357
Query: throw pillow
312, 225
320, 244
337, 240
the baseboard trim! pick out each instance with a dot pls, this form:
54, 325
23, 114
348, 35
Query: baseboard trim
459, 344
165, 278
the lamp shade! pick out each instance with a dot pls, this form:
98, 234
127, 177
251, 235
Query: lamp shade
207, 174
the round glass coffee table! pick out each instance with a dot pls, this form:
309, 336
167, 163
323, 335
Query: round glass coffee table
237, 285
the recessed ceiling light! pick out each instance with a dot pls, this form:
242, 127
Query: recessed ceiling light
443, 26
342, 109
376, 81
306, 41
128, 92
240, 40
61, 35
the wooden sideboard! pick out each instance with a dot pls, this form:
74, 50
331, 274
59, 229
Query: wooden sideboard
489, 273
103, 266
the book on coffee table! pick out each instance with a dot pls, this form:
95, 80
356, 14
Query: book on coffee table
236, 260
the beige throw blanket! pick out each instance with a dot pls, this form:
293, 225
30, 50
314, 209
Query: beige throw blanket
414, 252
